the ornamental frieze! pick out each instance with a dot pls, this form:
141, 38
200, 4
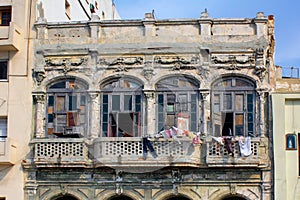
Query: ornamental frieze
233, 62
122, 61
177, 62
65, 61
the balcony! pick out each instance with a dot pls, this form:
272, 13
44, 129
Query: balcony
128, 153
62, 152
10, 37
218, 156
8, 151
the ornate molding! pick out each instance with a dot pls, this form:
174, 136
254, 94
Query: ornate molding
65, 63
178, 62
233, 62
148, 71
260, 68
122, 61
39, 97
38, 75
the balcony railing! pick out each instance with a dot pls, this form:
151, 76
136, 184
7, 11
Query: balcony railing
60, 151
10, 37
8, 151
218, 156
128, 152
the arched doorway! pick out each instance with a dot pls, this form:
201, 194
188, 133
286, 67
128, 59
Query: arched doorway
177, 198
66, 197
234, 198
120, 197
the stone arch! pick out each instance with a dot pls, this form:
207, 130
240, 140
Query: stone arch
169, 195
50, 80
110, 195
234, 197
189, 77
243, 76
65, 197
115, 77
58, 193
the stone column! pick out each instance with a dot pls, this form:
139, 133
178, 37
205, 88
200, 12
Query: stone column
94, 117
262, 119
40, 116
150, 114
205, 109
31, 186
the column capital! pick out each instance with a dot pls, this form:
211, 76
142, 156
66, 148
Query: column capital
39, 97
149, 94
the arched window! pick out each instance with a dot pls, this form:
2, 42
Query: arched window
66, 197
121, 108
233, 107
177, 103
177, 198
67, 108
120, 197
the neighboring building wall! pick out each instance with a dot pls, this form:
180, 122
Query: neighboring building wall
286, 114
75, 10
15, 97
152, 74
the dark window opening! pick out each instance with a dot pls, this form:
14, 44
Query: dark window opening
5, 16
3, 70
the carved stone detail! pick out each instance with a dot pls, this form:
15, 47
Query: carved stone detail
148, 71
39, 75
177, 62
122, 61
260, 68
39, 98
65, 63
233, 62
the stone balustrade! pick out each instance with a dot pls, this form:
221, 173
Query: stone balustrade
218, 156
127, 152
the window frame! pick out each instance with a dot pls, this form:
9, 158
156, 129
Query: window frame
116, 87
3, 10
4, 62
226, 86
79, 114
190, 88
3, 126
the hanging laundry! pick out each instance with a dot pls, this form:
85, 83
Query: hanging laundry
229, 145
220, 140
147, 144
245, 146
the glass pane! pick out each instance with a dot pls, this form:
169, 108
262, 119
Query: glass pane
171, 102
216, 103
60, 103
50, 100
82, 100
239, 130
160, 103
127, 102
72, 102
137, 103
59, 85
239, 119
239, 102
183, 102
227, 102
105, 98
115, 102
50, 118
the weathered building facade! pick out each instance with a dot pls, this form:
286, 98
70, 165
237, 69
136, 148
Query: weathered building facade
105, 90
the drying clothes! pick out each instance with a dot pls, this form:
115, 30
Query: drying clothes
147, 144
220, 140
229, 145
173, 131
245, 146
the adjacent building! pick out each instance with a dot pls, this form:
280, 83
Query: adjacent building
76, 10
152, 109
15, 95
286, 109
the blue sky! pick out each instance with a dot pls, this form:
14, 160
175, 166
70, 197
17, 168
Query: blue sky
286, 13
